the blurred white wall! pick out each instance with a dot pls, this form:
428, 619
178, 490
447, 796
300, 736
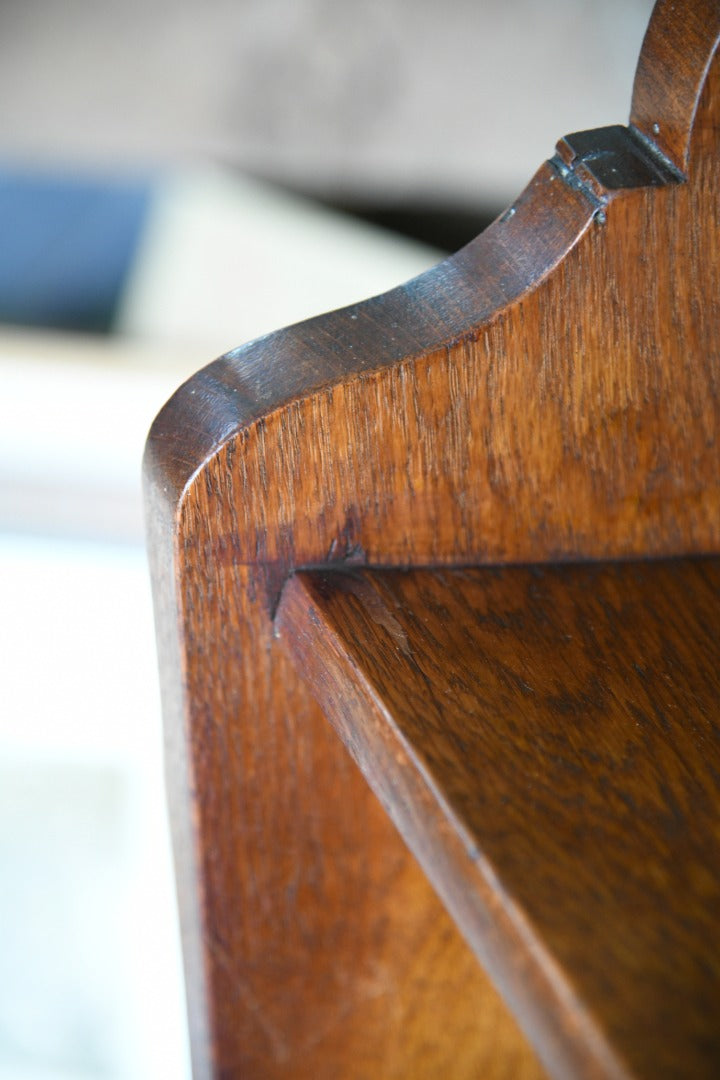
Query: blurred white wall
90, 972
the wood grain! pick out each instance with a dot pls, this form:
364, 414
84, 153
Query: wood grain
548, 743
552, 391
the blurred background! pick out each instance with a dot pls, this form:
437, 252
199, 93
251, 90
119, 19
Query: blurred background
177, 177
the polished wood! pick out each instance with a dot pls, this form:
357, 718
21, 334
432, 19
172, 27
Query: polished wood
552, 391
547, 741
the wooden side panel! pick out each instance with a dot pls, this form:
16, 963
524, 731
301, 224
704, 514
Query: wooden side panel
327, 953
552, 391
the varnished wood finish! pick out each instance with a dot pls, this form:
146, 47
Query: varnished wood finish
551, 391
548, 743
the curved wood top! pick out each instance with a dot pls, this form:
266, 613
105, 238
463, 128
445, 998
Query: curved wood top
448, 301
475, 310
437, 308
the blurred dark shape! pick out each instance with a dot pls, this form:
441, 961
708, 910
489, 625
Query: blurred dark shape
441, 226
68, 243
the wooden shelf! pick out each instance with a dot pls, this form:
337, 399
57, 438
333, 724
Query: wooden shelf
547, 741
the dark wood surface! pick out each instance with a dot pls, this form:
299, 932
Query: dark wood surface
552, 391
548, 743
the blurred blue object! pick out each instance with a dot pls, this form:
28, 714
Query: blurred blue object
66, 246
